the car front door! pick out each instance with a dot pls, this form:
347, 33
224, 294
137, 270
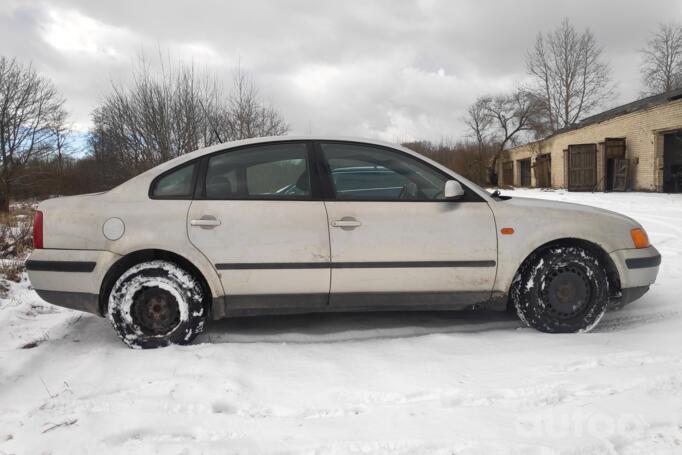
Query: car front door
256, 218
395, 239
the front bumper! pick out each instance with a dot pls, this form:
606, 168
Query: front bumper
69, 278
637, 270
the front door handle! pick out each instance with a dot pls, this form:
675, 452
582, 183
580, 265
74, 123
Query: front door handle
347, 223
206, 222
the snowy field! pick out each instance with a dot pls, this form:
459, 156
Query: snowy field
450, 383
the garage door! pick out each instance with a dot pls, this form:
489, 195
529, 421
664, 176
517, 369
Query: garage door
508, 173
672, 163
524, 171
582, 167
543, 171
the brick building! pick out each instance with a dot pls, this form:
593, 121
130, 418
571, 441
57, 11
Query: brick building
637, 146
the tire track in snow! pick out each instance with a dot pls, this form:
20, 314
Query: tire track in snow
354, 327
614, 321
617, 360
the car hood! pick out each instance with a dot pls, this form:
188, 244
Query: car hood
569, 207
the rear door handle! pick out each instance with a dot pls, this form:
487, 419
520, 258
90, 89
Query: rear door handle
347, 222
206, 222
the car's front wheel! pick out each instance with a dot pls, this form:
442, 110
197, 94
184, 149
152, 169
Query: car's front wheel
156, 303
562, 290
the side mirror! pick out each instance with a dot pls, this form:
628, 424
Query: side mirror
453, 190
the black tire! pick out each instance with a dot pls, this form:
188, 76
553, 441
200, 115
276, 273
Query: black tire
155, 304
562, 290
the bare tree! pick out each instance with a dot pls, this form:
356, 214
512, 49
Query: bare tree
662, 60
247, 116
167, 112
501, 120
28, 105
62, 135
158, 116
512, 115
479, 122
569, 76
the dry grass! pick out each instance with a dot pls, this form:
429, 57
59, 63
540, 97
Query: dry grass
16, 239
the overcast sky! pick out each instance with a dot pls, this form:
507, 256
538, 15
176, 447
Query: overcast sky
395, 70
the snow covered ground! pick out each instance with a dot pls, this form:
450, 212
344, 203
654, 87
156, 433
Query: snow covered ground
472, 383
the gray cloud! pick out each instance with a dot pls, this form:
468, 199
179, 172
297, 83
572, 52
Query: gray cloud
388, 69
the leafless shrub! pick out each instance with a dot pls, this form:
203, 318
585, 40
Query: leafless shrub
465, 158
16, 241
166, 112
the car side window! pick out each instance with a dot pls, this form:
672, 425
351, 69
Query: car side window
276, 171
176, 184
362, 172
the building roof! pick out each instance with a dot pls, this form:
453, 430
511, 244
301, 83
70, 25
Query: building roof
644, 103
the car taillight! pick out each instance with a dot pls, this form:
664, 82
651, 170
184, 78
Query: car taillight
38, 230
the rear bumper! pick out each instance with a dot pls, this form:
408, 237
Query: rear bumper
80, 301
69, 278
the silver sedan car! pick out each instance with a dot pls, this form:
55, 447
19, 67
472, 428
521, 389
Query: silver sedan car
312, 224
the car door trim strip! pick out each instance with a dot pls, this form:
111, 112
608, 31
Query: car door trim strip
272, 265
352, 265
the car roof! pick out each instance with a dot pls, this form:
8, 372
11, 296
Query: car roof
270, 139
224, 146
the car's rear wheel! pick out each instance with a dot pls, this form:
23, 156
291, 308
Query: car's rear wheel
562, 290
156, 303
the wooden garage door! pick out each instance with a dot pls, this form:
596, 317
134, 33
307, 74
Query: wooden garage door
508, 173
524, 172
582, 167
543, 171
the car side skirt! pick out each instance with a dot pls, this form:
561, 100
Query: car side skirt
273, 304
269, 304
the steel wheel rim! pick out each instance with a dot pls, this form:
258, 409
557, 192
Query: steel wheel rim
567, 292
156, 311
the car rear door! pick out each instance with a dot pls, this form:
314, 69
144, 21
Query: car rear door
395, 240
257, 219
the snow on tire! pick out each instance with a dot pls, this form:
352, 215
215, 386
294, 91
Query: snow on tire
156, 303
562, 290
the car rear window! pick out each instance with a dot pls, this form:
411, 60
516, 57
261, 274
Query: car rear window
176, 184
